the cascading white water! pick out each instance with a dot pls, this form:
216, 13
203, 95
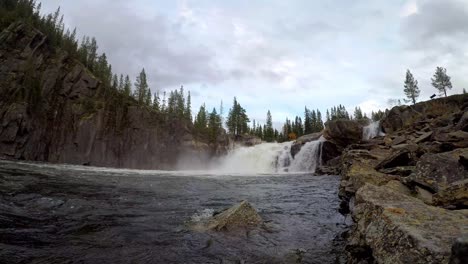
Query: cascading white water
309, 158
372, 130
271, 158
262, 158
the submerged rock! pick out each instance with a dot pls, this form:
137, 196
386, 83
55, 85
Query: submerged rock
396, 228
238, 216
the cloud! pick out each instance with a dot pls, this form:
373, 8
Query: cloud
280, 56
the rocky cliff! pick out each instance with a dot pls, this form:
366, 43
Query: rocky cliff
53, 109
407, 191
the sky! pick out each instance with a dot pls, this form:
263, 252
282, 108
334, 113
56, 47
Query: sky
279, 55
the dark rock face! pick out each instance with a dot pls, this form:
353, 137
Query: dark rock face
343, 132
69, 122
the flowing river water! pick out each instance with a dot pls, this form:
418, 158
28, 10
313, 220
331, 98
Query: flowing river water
76, 214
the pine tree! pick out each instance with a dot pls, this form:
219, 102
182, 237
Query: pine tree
358, 113
127, 86
411, 87
201, 121
441, 81
188, 109
214, 125
148, 100
156, 103
308, 127
141, 87
268, 131
464, 91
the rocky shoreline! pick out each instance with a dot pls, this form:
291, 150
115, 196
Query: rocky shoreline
407, 191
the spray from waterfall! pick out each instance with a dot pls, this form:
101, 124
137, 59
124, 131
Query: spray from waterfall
372, 130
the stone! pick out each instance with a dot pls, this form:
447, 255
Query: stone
463, 122
399, 140
401, 170
458, 139
399, 187
396, 228
343, 132
423, 195
437, 171
455, 196
423, 137
460, 251
402, 157
241, 215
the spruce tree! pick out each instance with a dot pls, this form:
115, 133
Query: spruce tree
411, 87
127, 86
268, 131
188, 109
441, 81
141, 87
358, 113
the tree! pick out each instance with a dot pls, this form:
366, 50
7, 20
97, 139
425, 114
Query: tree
358, 113
141, 87
188, 109
201, 121
464, 91
411, 87
127, 86
268, 131
214, 125
237, 119
441, 81
156, 104
307, 121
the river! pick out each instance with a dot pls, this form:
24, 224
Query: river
77, 214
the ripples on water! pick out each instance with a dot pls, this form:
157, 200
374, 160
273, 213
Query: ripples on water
74, 214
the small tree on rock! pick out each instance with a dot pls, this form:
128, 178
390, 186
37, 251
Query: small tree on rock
411, 87
441, 81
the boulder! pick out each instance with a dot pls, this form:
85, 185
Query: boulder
343, 132
460, 251
457, 139
454, 196
241, 215
396, 228
437, 171
401, 170
402, 157
463, 122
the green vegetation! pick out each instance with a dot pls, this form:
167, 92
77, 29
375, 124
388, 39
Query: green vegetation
411, 88
441, 81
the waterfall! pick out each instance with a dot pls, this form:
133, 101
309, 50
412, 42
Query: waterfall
262, 158
271, 158
372, 130
309, 157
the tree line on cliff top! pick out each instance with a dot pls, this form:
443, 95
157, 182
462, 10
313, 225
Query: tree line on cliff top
117, 90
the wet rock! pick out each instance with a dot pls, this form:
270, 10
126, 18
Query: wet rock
238, 216
437, 171
343, 132
397, 228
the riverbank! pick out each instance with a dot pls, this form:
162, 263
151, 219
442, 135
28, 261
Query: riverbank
407, 191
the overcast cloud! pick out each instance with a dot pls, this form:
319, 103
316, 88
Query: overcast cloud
280, 55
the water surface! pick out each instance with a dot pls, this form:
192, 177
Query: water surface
74, 214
